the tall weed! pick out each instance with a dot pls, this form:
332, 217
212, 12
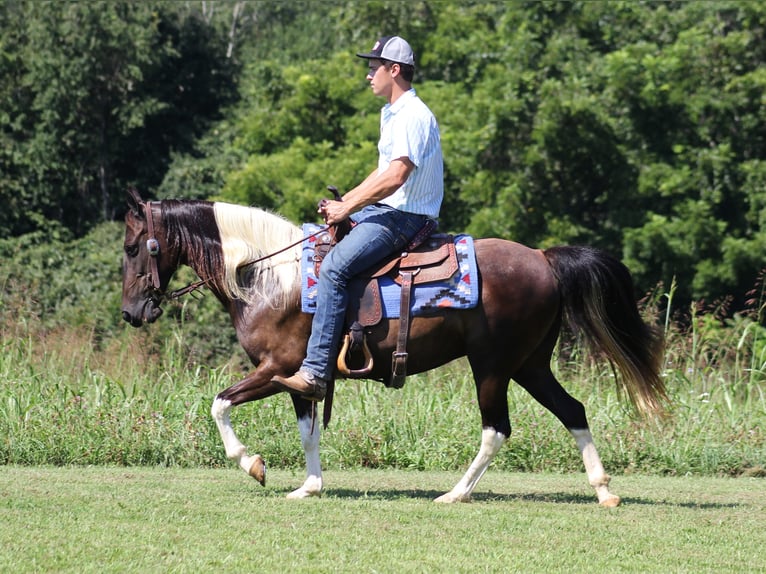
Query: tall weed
69, 395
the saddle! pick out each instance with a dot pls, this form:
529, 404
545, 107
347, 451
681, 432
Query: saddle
430, 257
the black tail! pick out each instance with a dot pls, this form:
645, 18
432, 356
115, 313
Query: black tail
599, 302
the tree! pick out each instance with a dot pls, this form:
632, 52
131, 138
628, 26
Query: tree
107, 91
697, 104
16, 189
636, 127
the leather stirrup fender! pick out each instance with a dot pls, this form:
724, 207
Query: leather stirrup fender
399, 357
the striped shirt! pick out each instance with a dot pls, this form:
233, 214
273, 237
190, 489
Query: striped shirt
409, 129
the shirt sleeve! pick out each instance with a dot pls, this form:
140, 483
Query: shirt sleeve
410, 138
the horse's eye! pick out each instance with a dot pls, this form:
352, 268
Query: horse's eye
131, 250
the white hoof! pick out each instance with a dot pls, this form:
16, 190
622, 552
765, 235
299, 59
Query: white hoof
311, 487
301, 493
611, 501
449, 498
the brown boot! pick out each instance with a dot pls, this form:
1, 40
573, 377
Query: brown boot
304, 384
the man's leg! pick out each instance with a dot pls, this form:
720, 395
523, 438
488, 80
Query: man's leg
379, 233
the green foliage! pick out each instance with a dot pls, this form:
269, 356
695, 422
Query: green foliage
99, 95
56, 281
304, 130
51, 283
635, 127
638, 127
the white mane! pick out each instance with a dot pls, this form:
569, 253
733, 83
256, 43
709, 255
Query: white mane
247, 234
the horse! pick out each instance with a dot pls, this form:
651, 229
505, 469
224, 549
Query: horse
249, 258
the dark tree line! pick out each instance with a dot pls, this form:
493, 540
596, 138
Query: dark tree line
636, 127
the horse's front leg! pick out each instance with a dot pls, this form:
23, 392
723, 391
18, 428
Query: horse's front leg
256, 386
309, 427
253, 387
253, 465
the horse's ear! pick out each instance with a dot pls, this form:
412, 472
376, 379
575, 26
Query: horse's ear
135, 202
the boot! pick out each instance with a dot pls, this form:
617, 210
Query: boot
304, 384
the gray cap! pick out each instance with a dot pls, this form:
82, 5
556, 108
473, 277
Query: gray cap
393, 49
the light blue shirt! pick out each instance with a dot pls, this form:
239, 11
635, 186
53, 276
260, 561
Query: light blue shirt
409, 129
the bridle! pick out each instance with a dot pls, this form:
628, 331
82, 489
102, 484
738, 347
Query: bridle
153, 248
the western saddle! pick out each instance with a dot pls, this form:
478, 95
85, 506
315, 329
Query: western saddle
428, 258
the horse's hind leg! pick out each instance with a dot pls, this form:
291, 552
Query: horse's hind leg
492, 391
491, 441
543, 386
597, 477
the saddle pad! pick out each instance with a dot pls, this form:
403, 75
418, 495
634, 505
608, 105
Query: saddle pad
461, 291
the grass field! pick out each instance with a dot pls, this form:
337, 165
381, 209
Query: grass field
112, 463
112, 519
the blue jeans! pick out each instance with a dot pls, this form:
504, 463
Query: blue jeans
380, 232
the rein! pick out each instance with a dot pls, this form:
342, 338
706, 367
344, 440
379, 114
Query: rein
153, 247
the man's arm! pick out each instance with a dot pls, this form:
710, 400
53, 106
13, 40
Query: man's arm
376, 186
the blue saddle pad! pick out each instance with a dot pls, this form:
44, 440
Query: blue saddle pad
461, 291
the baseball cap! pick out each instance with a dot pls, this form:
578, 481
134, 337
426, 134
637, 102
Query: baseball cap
393, 49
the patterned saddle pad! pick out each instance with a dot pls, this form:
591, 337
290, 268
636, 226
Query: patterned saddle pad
461, 291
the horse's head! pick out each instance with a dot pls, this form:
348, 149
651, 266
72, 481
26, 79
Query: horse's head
146, 264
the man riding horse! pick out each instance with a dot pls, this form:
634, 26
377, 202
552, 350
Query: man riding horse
389, 207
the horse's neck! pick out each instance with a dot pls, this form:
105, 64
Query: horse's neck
190, 231
264, 248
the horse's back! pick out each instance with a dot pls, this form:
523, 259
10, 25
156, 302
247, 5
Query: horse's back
517, 313
506, 265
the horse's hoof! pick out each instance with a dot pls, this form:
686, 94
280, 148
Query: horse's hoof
310, 488
302, 493
450, 498
258, 469
612, 501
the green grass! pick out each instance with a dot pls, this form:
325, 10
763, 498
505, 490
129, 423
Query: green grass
111, 463
64, 402
115, 519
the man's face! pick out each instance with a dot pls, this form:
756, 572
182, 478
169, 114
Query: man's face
381, 79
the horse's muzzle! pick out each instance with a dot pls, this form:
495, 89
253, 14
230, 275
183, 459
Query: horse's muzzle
148, 313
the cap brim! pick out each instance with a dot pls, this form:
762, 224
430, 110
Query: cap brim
369, 56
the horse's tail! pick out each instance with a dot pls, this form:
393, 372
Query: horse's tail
599, 303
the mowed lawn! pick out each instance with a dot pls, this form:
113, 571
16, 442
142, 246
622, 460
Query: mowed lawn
117, 519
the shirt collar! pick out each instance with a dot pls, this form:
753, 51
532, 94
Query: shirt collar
399, 104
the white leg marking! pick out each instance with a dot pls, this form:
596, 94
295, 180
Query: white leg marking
491, 441
597, 477
235, 450
310, 433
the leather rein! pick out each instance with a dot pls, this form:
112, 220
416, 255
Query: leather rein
153, 247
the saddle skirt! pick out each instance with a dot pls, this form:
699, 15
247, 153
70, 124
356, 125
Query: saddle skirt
459, 291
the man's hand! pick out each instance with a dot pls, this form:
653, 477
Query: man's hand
333, 211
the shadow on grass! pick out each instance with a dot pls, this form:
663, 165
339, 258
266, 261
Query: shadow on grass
699, 505
392, 494
550, 497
